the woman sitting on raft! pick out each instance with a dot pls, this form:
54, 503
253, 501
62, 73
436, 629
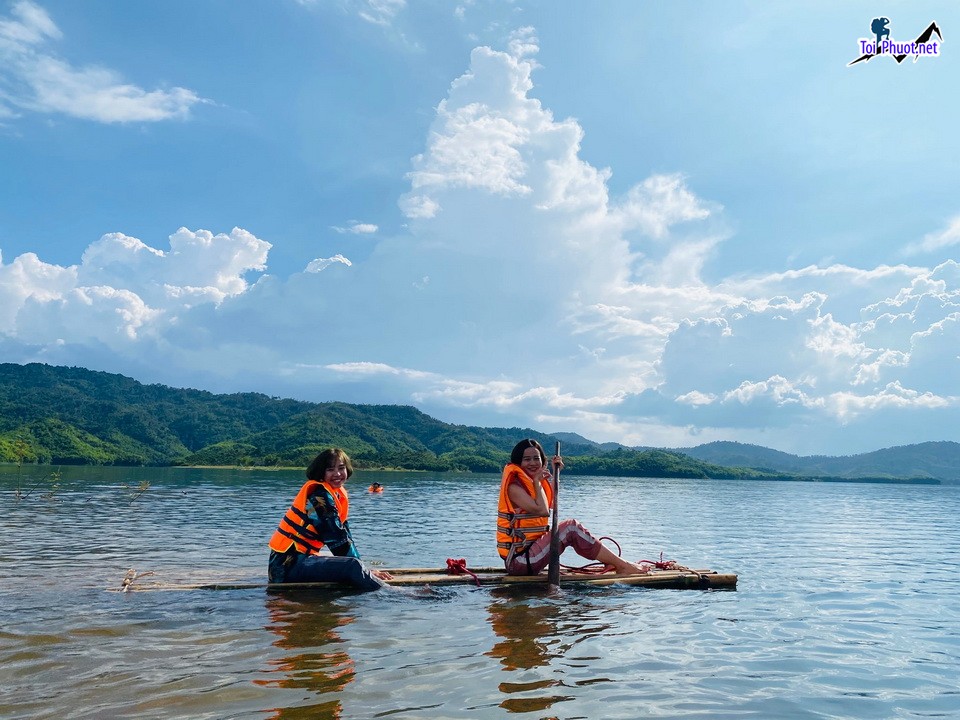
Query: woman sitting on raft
523, 533
318, 517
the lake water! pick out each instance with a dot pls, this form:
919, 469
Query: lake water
848, 604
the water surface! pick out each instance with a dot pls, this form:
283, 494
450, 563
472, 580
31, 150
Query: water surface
847, 604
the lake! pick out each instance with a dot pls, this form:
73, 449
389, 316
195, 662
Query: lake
848, 603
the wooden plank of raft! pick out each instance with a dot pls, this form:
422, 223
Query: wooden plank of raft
438, 571
678, 579
655, 578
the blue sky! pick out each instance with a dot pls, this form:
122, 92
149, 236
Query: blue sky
657, 225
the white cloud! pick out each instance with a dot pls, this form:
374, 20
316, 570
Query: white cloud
123, 288
696, 397
523, 42
380, 12
28, 276
506, 395
321, 264
215, 264
658, 203
33, 79
29, 25
472, 148
369, 368
419, 206
482, 132
356, 228
847, 405
932, 242
115, 318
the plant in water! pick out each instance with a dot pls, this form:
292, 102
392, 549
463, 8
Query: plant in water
141, 489
54, 478
20, 451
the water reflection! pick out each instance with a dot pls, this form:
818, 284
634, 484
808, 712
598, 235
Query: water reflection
529, 639
314, 654
525, 630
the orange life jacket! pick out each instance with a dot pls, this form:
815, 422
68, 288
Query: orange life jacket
296, 529
517, 530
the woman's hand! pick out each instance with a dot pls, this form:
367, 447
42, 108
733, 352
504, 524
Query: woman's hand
382, 574
557, 462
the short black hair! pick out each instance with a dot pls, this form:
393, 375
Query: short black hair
327, 459
516, 456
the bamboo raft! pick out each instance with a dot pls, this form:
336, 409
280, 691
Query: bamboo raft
677, 578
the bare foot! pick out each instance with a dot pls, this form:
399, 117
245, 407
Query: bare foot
629, 568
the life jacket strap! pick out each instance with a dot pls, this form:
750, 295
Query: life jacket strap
302, 540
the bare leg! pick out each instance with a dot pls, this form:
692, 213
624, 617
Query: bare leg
619, 564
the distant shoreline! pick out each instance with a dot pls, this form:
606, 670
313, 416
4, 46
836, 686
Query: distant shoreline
282, 468
278, 468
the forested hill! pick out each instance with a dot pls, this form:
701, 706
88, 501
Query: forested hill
939, 460
62, 415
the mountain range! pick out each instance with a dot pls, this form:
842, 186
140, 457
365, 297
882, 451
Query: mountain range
70, 415
939, 460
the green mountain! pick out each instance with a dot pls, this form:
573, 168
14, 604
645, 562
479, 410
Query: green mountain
73, 415
940, 460
61, 415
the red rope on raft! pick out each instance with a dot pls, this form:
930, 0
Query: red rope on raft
459, 567
594, 568
597, 568
662, 564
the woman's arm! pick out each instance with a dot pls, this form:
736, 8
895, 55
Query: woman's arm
334, 534
536, 505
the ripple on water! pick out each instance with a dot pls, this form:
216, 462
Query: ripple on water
847, 606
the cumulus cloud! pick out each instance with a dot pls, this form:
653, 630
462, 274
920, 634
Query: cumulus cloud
34, 79
116, 318
482, 131
123, 288
214, 264
29, 277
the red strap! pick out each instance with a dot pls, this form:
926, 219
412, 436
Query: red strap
661, 564
459, 567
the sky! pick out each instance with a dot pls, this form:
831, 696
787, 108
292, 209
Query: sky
659, 224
